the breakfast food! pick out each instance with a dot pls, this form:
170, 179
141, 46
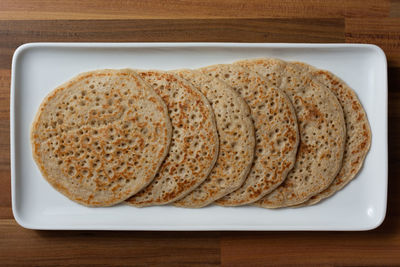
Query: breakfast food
358, 132
194, 145
276, 132
322, 133
261, 132
101, 137
236, 140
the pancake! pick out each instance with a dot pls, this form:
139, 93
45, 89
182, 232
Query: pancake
236, 136
322, 132
275, 127
194, 145
358, 130
101, 137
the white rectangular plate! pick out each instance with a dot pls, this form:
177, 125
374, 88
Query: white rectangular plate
40, 67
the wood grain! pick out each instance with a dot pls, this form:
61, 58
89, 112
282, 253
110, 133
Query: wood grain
367, 8
310, 249
395, 9
49, 248
170, 9
384, 32
187, 9
369, 21
15, 33
5, 185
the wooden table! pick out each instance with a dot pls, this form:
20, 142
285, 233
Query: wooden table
357, 21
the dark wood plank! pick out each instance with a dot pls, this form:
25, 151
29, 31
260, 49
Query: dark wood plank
384, 32
394, 145
333, 249
169, 9
65, 248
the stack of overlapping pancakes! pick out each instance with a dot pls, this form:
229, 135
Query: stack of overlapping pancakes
262, 132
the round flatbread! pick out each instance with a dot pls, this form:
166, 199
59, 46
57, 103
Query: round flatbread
357, 130
101, 137
194, 145
236, 137
275, 127
322, 133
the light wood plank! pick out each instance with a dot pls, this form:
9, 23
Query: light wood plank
367, 8
170, 9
